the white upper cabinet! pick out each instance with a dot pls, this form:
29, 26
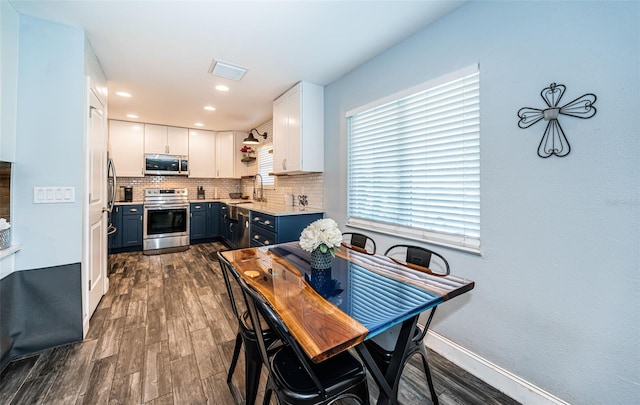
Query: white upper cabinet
178, 141
213, 154
225, 155
126, 148
298, 130
166, 140
202, 153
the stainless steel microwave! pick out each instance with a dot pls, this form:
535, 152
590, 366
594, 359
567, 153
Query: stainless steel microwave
164, 165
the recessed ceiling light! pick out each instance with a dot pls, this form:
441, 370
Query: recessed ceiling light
123, 94
222, 87
209, 108
199, 124
132, 116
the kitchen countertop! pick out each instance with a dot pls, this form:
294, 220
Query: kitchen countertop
265, 208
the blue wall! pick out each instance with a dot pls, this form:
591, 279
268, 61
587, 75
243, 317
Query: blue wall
557, 295
49, 142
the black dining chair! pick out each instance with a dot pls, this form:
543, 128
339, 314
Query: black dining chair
433, 263
246, 336
360, 242
295, 378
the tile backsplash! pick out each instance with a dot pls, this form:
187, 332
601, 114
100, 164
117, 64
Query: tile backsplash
224, 186
310, 185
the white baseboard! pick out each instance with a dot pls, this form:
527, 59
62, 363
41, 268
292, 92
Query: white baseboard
494, 375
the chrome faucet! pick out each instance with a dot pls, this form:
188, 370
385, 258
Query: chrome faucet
261, 198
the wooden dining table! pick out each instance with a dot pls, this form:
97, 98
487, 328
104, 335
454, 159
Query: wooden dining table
361, 296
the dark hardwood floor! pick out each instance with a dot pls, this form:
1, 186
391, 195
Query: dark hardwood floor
164, 334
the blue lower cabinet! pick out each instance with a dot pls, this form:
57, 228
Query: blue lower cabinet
115, 239
128, 222
205, 221
198, 225
213, 220
132, 225
269, 229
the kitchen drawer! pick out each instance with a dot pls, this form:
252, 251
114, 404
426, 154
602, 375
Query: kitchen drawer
262, 236
198, 207
131, 209
268, 222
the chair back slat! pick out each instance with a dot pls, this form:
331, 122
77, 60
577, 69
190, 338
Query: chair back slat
420, 257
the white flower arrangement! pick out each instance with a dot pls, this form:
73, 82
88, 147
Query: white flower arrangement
322, 234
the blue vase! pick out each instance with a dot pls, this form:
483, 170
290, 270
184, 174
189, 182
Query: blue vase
319, 260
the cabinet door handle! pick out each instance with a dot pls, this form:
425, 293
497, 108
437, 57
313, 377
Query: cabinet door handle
133, 210
256, 219
267, 222
197, 207
256, 237
266, 242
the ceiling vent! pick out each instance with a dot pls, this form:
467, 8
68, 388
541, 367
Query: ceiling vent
227, 70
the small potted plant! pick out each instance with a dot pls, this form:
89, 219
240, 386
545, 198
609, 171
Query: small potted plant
247, 151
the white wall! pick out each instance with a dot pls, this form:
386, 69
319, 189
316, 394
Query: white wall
557, 295
49, 142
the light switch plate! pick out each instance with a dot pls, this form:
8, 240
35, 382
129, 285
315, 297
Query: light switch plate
54, 195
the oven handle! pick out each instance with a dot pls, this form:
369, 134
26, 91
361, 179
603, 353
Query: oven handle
165, 206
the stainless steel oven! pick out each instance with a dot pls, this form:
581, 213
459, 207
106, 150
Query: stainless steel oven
165, 219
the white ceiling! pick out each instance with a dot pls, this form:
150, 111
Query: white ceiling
161, 51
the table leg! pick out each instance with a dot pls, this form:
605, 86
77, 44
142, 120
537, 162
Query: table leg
385, 389
390, 381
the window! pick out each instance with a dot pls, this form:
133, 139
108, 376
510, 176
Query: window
414, 163
265, 165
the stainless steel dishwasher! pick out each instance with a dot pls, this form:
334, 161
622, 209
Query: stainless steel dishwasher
243, 235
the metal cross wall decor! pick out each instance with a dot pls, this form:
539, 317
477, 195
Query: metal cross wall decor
554, 141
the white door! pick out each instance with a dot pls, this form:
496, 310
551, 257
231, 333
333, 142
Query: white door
97, 184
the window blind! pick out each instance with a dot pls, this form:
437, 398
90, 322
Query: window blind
414, 163
265, 165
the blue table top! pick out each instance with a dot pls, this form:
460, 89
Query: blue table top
375, 300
